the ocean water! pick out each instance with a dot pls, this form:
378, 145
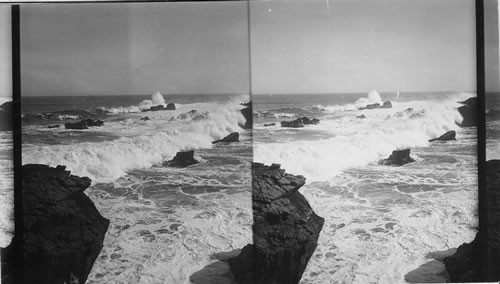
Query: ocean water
492, 104
168, 225
383, 224
6, 188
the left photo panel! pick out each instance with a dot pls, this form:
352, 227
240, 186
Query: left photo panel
6, 137
136, 141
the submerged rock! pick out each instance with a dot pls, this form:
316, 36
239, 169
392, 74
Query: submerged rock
182, 160
285, 229
63, 232
54, 126
450, 135
480, 261
299, 122
247, 113
468, 112
361, 116
233, 137
269, 124
146, 118
398, 158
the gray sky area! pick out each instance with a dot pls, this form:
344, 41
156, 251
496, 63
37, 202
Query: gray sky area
298, 46
5, 53
318, 46
108, 49
491, 52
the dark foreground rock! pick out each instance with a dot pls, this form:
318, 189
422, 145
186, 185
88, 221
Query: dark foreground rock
450, 135
182, 160
398, 158
285, 229
247, 113
299, 122
6, 116
84, 124
386, 104
233, 137
468, 112
63, 232
465, 264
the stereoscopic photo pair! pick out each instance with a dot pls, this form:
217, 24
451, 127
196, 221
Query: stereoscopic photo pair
250, 142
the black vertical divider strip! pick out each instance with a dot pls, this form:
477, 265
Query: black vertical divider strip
16, 99
481, 149
250, 93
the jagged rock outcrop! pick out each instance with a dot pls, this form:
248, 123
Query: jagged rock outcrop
386, 104
468, 112
181, 160
247, 113
468, 264
285, 229
63, 232
6, 115
299, 122
398, 158
450, 135
84, 124
233, 137
170, 106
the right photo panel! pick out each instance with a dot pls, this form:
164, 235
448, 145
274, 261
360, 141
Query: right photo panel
365, 144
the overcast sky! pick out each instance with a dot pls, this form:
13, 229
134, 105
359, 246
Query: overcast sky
107, 49
356, 45
298, 46
492, 56
5, 53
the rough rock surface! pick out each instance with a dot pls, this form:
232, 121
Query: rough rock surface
386, 104
398, 158
464, 265
247, 113
63, 232
6, 116
299, 122
233, 137
450, 135
170, 106
285, 229
182, 160
83, 124
468, 112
